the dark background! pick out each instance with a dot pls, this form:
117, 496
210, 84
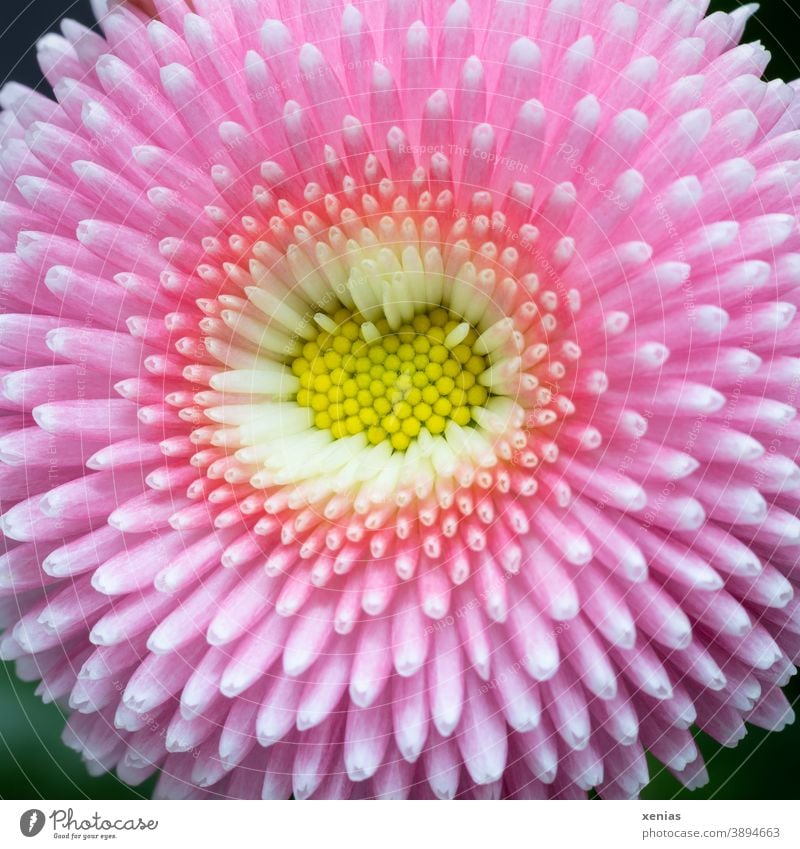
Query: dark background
33, 761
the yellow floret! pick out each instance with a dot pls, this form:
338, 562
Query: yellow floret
461, 416
475, 365
442, 407
423, 411
332, 360
458, 397
421, 323
319, 402
477, 395
300, 366
419, 379
322, 383
406, 352
310, 350
400, 441
436, 424
433, 371
465, 380
445, 385
376, 435
414, 396
438, 354
402, 409
462, 353
430, 395
420, 361
451, 368
382, 406
411, 427
354, 425
350, 331
377, 354
390, 423
438, 317
338, 430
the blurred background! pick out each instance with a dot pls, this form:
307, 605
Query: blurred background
34, 763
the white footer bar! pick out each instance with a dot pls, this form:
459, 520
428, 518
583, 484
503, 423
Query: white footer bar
401, 825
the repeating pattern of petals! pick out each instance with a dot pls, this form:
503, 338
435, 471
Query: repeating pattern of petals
399, 399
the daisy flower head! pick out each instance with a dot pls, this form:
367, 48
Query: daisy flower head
399, 398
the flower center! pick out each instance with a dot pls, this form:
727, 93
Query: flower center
367, 378
391, 384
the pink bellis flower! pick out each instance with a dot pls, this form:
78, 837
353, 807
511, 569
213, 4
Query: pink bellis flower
399, 398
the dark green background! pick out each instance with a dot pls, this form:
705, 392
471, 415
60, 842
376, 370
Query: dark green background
33, 761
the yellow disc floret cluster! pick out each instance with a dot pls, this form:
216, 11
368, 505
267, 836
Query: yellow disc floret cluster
390, 384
